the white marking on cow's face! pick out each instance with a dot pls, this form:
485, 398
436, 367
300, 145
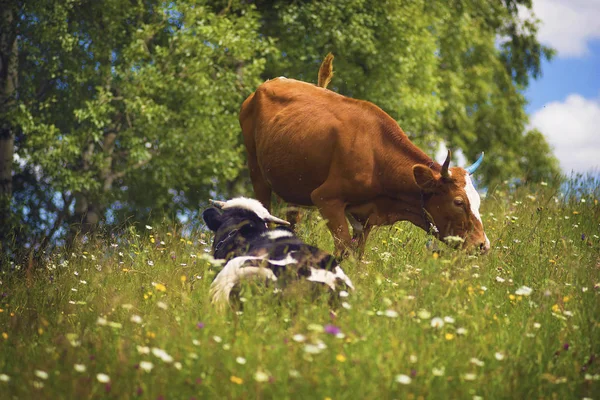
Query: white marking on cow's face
278, 233
249, 204
475, 202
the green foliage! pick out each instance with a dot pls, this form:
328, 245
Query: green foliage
113, 306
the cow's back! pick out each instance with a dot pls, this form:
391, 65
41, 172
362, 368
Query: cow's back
301, 134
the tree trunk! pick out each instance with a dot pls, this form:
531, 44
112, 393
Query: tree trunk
8, 88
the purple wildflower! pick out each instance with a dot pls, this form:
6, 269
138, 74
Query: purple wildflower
566, 346
200, 325
332, 329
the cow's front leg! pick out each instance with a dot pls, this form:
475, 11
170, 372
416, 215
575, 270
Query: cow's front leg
333, 211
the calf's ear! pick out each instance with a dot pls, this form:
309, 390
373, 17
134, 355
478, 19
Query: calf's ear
212, 217
426, 179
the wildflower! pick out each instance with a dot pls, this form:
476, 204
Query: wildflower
41, 374
332, 329
4, 378
449, 336
438, 371
143, 349
413, 358
477, 361
294, 373
4, 335
346, 305
159, 287
523, 291
236, 380
136, 319
148, 227
499, 356
150, 263
200, 325
299, 338
537, 325
437, 322
469, 377
403, 379
80, 367
103, 378
240, 360
183, 278
314, 349
343, 293
163, 355
391, 313
162, 305
449, 320
341, 358
461, 331
37, 384
177, 365
217, 339
423, 314
260, 376
146, 366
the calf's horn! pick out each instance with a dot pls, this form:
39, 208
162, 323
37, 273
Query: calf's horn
445, 173
271, 218
217, 203
472, 168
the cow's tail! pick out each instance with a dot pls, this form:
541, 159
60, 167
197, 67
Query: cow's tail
235, 271
326, 71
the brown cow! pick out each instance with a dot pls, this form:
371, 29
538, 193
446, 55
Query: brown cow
312, 146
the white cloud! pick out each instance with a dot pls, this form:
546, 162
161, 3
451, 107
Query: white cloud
568, 25
572, 128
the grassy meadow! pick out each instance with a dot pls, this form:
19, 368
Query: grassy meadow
128, 316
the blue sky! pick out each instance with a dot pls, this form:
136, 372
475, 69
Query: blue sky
564, 104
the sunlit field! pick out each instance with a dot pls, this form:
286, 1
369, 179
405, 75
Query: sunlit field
128, 316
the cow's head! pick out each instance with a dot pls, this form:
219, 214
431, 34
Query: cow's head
451, 200
240, 220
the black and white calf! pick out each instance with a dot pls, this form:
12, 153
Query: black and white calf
252, 250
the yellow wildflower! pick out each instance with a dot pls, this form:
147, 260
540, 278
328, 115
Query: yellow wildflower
160, 287
449, 336
341, 358
236, 380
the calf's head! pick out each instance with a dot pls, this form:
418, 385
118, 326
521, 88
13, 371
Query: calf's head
240, 220
451, 201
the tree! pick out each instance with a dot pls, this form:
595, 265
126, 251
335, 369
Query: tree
8, 91
129, 107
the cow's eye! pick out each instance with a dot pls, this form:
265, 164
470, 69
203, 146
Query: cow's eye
458, 201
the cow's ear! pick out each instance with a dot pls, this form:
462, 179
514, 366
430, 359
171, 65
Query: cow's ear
212, 217
426, 179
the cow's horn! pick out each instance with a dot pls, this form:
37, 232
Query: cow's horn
271, 218
445, 173
217, 203
472, 168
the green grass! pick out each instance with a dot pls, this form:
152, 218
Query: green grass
77, 310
